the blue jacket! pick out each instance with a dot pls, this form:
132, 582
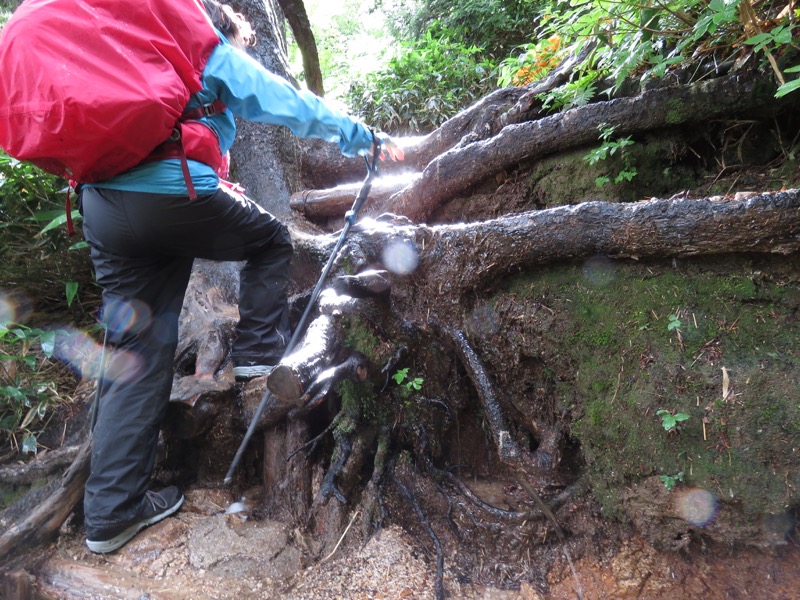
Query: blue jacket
253, 93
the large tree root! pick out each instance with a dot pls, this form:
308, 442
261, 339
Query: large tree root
454, 172
43, 467
45, 520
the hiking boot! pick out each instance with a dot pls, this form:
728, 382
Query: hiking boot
248, 369
159, 505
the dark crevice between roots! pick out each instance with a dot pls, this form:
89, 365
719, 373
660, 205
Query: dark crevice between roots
409, 495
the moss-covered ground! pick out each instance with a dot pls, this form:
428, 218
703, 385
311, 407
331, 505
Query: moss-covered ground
715, 339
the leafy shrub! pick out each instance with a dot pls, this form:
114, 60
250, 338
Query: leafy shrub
429, 81
646, 41
34, 245
27, 387
496, 26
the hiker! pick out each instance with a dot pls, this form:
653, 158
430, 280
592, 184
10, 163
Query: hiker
145, 229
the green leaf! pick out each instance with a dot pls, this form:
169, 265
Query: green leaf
668, 481
788, 87
72, 291
29, 444
48, 342
400, 375
60, 220
602, 180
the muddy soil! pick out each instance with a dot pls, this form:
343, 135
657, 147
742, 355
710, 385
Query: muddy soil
203, 553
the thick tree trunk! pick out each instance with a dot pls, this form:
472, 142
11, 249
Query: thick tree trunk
265, 157
295, 11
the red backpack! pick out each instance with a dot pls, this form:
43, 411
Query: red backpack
90, 88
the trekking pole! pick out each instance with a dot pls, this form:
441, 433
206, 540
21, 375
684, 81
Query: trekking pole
350, 219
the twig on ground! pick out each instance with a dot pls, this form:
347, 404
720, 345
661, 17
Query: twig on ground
341, 539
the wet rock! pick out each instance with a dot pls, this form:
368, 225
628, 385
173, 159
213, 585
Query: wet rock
228, 546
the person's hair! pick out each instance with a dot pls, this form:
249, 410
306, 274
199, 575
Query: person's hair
233, 25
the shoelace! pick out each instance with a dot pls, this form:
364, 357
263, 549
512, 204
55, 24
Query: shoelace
157, 500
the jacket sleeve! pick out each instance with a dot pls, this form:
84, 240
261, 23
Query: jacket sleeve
252, 92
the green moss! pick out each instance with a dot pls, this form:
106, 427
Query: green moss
614, 342
674, 110
361, 399
360, 338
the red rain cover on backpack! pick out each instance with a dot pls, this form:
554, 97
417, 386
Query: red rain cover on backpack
88, 88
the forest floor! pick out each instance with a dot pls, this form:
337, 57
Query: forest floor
203, 553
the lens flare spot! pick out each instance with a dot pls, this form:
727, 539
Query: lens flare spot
8, 310
482, 321
600, 271
80, 352
697, 506
401, 257
128, 316
15, 307
122, 366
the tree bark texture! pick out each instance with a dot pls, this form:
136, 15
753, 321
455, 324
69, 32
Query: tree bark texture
265, 158
455, 171
295, 12
471, 256
45, 520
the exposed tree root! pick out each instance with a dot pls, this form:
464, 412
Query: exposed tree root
341, 453
314, 442
44, 466
546, 510
439, 586
45, 520
373, 499
537, 465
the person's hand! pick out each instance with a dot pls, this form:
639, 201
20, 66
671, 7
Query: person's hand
388, 147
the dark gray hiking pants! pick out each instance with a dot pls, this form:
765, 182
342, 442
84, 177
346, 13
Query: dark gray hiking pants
142, 247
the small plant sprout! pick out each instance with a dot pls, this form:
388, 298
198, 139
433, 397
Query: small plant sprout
608, 148
410, 385
674, 323
670, 481
669, 421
